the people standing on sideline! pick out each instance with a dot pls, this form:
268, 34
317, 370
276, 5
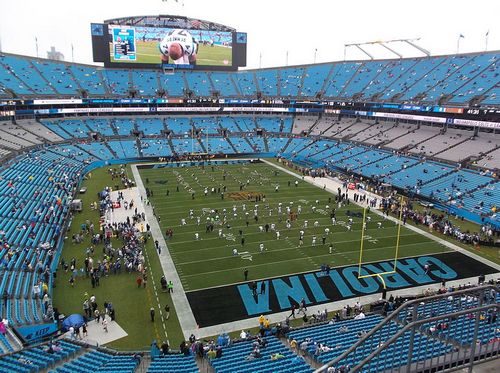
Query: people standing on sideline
245, 273
152, 314
105, 324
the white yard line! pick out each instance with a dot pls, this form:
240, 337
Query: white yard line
188, 323
332, 184
179, 299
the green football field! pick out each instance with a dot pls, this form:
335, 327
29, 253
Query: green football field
209, 261
147, 52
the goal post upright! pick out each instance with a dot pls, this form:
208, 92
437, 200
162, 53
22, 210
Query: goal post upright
399, 232
396, 253
362, 241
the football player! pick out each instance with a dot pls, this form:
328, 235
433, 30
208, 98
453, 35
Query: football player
179, 46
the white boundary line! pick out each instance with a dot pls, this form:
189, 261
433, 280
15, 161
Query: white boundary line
320, 181
185, 313
179, 299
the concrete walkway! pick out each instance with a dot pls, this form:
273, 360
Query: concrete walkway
332, 184
183, 309
97, 336
181, 303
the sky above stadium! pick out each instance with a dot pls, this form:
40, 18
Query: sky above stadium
276, 28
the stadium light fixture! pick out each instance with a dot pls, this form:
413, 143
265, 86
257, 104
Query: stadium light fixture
383, 43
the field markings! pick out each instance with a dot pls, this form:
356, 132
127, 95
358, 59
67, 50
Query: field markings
158, 303
291, 260
172, 207
332, 185
299, 249
273, 240
308, 271
287, 239
184, 313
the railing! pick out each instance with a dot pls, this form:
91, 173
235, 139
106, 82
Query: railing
419, 317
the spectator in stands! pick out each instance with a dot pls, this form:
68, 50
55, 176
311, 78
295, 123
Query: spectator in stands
255, 354
277, 356
211, 354
360, 316
164, 348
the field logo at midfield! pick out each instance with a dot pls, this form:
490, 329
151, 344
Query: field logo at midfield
244, 196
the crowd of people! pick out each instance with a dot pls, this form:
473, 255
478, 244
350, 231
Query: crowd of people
439, 222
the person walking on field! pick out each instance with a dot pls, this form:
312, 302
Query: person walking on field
152, 314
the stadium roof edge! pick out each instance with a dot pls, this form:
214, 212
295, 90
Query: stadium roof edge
374, 60
263, 68
200, 23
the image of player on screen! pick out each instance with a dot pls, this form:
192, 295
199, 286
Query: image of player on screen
178, 47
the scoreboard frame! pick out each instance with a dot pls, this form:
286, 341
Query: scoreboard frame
108, 49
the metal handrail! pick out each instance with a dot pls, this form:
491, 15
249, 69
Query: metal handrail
417, 324
395, 314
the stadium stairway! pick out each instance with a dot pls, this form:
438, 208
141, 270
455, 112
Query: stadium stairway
171, 144
202, 146
437, 177
318, 120
232, 145
422, 76
16, 76
353, 77
26, 128
9, 342
283, 150
374, 161
249, 143
391, 139
337, 129
266, 145
45, 79
111, 150
381, 134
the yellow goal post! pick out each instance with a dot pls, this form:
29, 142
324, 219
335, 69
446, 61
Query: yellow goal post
363, 228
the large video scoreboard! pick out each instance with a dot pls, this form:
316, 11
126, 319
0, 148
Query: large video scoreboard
187, 45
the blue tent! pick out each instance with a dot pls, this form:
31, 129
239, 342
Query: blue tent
75, 321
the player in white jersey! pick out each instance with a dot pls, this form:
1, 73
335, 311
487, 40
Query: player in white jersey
180, 47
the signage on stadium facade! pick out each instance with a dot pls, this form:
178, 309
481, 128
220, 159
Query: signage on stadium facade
57, 101
476, 123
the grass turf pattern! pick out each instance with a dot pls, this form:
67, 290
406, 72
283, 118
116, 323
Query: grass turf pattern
209, 261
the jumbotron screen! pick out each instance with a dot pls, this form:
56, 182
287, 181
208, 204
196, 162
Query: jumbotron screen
180, 48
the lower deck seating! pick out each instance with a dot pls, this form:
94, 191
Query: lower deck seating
340, 336
235, 359
37, 358
98, 361
173, 363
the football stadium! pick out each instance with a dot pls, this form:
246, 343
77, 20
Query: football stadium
168, 208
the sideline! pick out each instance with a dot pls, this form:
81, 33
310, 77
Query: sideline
184, 312
333, 183
179, 299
